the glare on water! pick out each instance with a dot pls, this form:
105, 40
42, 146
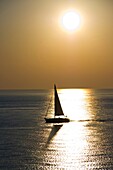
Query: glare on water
75, 103
67, 141
66, 146
77, 144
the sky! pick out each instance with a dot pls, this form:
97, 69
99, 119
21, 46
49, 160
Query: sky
36, 51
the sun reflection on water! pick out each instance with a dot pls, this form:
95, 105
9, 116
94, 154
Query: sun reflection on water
75, 103
68, 145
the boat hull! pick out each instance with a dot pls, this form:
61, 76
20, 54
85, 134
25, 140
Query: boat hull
56, 120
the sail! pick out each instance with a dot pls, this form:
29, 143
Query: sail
58, 108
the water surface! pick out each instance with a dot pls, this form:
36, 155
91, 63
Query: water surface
27, 142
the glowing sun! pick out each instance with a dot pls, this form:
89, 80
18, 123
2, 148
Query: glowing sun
71, 21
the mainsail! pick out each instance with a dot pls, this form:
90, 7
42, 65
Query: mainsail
58, 108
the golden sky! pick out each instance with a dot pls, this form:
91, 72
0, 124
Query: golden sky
36, 51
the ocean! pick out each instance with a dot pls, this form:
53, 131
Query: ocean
28, 143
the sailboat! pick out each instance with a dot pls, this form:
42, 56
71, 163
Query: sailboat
59, 116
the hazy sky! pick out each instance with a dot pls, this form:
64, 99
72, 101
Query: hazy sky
36, 51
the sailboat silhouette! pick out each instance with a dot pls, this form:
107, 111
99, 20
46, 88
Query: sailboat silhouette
59, 116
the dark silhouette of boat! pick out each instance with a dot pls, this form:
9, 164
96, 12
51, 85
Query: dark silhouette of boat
59, 116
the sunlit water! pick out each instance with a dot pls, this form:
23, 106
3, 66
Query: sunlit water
27, 142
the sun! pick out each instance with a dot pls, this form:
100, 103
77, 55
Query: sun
71, 20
